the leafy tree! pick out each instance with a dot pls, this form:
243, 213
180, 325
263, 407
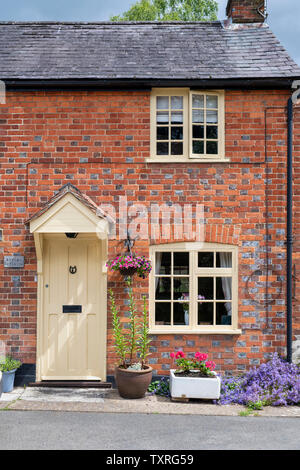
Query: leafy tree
170, 10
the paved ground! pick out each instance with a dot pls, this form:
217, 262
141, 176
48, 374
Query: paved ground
154, 432
109, 401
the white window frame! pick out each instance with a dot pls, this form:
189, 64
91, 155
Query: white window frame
188, 155
193, 248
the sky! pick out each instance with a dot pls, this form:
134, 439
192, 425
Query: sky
283, 19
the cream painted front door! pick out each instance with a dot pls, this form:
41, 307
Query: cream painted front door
73, 327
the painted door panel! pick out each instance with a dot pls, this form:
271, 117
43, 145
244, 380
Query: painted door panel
72, 341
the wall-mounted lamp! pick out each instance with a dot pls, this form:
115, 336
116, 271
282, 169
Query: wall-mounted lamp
71, 235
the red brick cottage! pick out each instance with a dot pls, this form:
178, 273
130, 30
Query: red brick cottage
177, 132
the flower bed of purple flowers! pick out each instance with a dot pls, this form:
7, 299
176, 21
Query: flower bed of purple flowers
275, 383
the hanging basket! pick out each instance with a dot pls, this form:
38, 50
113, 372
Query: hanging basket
129, 264
127, 271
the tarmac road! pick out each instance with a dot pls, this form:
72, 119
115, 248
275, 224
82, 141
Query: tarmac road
52, 430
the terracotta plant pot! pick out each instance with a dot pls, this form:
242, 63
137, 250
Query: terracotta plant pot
133, 383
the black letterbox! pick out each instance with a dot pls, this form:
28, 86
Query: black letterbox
72, 308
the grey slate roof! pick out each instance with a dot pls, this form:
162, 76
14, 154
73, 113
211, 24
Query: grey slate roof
141, 50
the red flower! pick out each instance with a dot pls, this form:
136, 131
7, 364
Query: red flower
201, 356
179, 354
210, 365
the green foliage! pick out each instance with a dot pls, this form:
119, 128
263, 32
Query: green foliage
258, 405
133, 338
247, 412
144, 340
233, 385
119, 337
160, 387
170, 10
8, 363
135, 342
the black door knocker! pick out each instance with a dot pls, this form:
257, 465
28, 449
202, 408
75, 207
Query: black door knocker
72, 269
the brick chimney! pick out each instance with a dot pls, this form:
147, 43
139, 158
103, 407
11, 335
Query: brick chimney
246, 11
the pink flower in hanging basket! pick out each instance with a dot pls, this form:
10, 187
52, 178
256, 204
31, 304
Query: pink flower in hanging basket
129, 264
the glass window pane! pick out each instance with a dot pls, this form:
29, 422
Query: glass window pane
181, 288
177, 133
205, 259
162, 133
176, 117
181, 314
212, 117
198, 101
212, 132
162, 117
198, 115
162, 263
176, 102
198, 146
163, 288
162, 148
198, 132
205, 313
162, 313
162, 102
223, 313
176, 148
224, 288
211, 101
181, 262
224, 260
205, 288
211, 148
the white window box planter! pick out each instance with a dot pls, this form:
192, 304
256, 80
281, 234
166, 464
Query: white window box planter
194, 387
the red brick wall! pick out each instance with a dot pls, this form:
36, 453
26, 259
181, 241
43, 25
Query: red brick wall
98, 141
296, 234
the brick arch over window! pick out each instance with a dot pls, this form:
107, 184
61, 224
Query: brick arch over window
219, 233
211, 233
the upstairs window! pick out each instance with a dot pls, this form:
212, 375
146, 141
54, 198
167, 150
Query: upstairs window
187, 124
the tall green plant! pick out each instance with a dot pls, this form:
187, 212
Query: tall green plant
119, 337
133, 328
144, 334
135, 341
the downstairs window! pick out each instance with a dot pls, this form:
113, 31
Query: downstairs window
193, 287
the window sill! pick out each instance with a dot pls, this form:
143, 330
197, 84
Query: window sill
187, 160
219, 331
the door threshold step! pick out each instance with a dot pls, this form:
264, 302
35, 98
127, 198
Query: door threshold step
71, 384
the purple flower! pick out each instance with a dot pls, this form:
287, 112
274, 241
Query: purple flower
274, 383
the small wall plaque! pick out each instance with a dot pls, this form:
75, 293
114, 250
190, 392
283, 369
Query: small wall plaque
14, 261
